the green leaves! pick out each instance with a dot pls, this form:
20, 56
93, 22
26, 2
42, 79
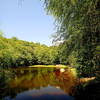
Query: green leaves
14, 52
79, 27
1, 34
73, 2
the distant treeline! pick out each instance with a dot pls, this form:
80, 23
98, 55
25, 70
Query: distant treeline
14, 52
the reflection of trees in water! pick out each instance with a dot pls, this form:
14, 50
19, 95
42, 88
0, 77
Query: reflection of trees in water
24, 80
67, 81
35, 79
3, 84
42, 78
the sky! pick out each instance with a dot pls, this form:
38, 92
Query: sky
26, 20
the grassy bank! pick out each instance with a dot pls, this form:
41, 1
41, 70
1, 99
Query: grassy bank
57, 66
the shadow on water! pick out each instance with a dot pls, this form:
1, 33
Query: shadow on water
39, 84
90, 92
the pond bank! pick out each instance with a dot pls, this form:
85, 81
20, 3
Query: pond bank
58, 66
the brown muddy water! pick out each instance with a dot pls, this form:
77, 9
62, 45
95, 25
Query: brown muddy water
39, 84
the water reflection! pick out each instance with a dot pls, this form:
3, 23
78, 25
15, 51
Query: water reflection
40, 84
48, 93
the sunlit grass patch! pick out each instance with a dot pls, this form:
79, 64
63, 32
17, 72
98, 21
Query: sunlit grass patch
60, 66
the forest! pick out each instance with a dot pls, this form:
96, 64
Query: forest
14, 53
77, 25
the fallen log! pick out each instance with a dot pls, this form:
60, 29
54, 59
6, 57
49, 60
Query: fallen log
84, 80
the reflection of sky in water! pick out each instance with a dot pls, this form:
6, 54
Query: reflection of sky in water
48, 93
40, 84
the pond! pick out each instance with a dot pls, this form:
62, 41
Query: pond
39, 84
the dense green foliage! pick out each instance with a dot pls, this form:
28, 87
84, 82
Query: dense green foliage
14, 52
78, 26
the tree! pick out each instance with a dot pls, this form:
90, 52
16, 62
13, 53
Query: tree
78, 24
1, 34
14, 53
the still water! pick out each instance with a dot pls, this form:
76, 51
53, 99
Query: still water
40, 84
